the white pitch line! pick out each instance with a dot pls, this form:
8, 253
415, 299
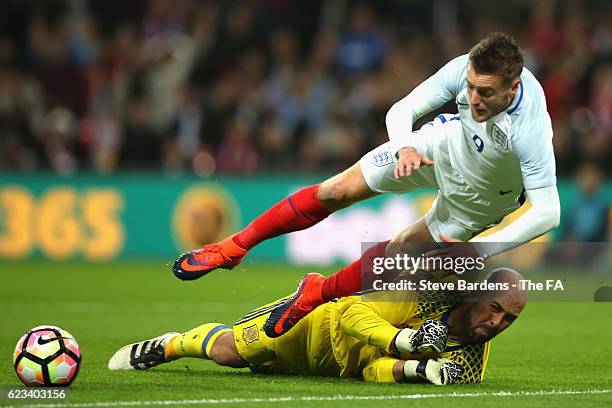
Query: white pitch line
136, 403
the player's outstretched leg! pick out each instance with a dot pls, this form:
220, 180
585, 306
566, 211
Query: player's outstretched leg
299, 211
196, 343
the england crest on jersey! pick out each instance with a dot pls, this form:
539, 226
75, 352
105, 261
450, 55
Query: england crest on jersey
500, 139
381, 158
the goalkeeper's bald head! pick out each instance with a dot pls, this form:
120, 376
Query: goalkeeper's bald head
487, 313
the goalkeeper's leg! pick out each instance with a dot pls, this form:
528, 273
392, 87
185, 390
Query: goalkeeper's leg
211, 341
299, 211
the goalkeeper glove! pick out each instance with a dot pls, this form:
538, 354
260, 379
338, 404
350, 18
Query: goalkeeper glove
440, 371
432, 334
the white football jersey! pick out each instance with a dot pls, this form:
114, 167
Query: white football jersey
509, 152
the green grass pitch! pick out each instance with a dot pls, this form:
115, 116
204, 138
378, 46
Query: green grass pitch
552, 347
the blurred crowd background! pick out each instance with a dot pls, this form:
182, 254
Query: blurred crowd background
239, 87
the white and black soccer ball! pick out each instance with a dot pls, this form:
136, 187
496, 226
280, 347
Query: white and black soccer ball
47, 356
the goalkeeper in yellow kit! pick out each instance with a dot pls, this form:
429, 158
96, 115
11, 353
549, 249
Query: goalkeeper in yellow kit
381, 337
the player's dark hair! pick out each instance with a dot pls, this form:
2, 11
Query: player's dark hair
498, 54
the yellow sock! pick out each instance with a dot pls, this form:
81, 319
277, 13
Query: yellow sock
196, 342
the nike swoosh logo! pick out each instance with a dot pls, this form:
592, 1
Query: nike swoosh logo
502, 192
42, 341
189, 267
280, 325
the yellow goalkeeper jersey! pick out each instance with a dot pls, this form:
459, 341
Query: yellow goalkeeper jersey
370, 323
352, 337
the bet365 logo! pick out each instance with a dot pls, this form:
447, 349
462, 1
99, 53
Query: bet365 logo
61, 223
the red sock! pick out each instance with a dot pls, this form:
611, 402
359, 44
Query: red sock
348, 281
299, 211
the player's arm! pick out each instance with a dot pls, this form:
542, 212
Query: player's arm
370, 322
537, 161
374, 322
440, 88
435, 371
384, 370
543, 215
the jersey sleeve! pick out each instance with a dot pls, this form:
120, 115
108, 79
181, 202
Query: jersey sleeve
374, 320
543, 215
446, 83
472, 358
432, 93
536, 156
380, 370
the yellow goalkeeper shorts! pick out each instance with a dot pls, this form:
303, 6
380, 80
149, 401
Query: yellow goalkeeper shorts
305, 349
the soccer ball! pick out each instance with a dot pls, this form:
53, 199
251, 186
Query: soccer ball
47, 356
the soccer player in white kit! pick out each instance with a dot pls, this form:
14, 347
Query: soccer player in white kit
483, 158
496, 151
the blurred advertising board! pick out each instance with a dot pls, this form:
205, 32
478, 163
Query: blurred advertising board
101, 218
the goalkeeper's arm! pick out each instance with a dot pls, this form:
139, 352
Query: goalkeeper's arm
365, 321
436, 371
